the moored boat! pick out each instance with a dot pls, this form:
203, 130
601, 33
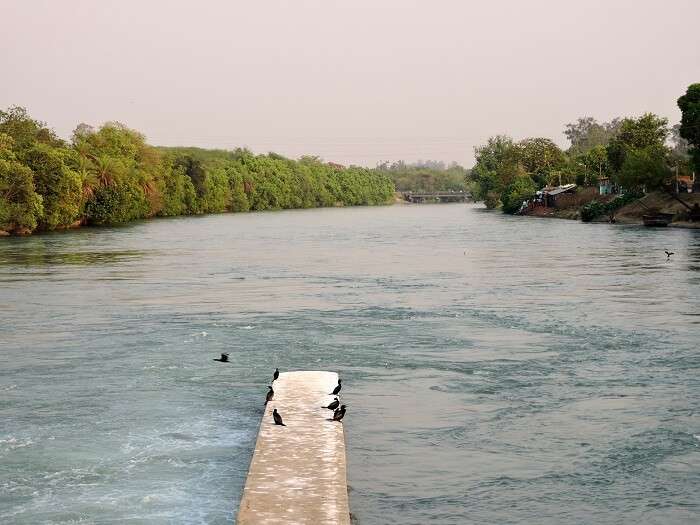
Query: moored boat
657, 219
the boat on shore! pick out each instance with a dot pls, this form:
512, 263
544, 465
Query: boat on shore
657, 219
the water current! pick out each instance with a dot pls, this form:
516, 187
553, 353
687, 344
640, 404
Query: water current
497, 370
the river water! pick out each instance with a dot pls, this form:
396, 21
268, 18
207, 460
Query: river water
497, 369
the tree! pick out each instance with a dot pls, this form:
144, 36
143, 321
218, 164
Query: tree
521, 189
689, 105
59, 186
540, 157
587, 133
25, 131
645, 135
644, 168
20, 206
595, 165
427, 175
496, 167
110, 175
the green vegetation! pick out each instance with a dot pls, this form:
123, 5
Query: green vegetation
632, 152
689, 128
426, 176
505, 171
110, 175
595, 209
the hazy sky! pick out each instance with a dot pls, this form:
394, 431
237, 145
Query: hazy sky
354, 81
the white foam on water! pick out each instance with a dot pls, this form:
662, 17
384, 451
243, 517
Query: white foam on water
12, 443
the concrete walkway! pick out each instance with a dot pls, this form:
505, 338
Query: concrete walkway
297, 475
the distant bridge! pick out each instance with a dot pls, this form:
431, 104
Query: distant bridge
435, 196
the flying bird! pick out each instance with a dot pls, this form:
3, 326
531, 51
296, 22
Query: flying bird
668, 254
270, 395
336, 390
276, 374
334, 404
223, 358
338, 414
277, 418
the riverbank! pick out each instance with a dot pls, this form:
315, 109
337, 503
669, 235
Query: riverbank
632, 213
110, 175
660, 202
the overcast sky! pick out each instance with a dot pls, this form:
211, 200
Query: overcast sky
354, 81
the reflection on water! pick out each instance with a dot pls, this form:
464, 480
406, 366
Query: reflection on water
31, 256
498, 369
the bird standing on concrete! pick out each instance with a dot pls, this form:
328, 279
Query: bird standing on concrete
223, 358
277, 418
270, 395
668, 254
339, 414
336, 390
275, 375
334, 404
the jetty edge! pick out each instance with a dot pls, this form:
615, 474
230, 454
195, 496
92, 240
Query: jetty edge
298, 472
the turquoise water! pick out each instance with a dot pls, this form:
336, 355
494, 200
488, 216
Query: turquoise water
497, 369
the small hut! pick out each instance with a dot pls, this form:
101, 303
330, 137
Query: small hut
554, 195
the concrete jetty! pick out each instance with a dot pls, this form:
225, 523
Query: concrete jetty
298, 472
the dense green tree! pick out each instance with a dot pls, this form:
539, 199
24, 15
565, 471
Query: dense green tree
59, 185
591, 166
689, 130
540, 157
644, 168
118, 203
25, 131
521, 189
194, 168
497, 166
179, 195
20, 206
637, 155
649, 130
110, 175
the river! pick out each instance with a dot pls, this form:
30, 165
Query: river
497, 369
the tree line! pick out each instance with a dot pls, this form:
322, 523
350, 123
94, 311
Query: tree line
638, 154
110, 175
428, 176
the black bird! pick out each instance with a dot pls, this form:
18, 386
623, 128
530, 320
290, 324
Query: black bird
668, 254
336, 390
339, 414
334, 404
270, 395
277, 418
223, 358
276, 374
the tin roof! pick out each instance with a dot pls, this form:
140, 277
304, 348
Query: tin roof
562, 189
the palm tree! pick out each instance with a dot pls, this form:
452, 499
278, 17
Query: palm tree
105, 170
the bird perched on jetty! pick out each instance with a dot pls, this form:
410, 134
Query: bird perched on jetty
270, 395
223, 358
668, 254
334, 404
275, 375
336, 390
278, 419
338, 414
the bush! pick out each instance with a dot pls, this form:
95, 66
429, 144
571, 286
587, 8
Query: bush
595, 209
